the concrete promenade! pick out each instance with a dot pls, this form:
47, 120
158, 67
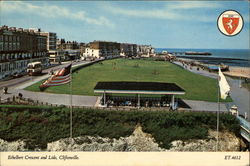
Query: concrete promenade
206, 106
240, 95
60, 99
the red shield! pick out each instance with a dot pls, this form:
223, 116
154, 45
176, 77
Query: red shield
230, 23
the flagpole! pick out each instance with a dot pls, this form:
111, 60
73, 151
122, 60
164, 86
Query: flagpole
71, 102
223, 90
218, 117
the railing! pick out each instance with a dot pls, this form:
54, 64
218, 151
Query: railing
27, 101
244, 128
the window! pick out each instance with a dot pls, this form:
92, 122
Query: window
18, 46
5, 47
1, 46
6, 38
8, 56
6, 67
10, 46
14, 46
1, 38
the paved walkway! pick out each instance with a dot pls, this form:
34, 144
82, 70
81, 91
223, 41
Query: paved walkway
240, 95
206, 106
59, 99
201, 72
51, 98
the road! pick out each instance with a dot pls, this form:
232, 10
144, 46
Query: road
23, 79
17, 85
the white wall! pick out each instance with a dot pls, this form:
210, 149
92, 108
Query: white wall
91, 53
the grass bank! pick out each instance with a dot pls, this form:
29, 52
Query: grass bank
197, 87
246, 85
38, 126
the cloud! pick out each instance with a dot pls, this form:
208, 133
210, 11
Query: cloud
169, 11
153, 13
53, 11
193, 5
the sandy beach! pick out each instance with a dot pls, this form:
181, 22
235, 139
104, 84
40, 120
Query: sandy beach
238, 72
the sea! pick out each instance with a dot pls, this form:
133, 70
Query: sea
230, 57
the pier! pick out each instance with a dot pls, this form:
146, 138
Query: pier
190, 53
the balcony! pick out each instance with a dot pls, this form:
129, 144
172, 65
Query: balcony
21, 58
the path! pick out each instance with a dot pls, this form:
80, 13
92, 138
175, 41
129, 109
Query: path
206, 106
240, 95
60, 99
201, 72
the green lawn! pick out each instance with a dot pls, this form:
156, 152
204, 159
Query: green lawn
197, 87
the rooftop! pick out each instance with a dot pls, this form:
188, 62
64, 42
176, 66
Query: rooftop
138, 88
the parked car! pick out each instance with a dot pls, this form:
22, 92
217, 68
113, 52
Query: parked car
17, 75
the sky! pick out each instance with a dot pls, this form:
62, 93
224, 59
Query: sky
163, 24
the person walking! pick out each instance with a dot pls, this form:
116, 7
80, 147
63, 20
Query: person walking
5, 90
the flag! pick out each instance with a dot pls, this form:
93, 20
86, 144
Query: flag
61, 77
224, 87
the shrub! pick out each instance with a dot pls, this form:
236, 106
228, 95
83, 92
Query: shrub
42, 125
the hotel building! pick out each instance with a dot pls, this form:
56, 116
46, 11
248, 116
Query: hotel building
54, 56
106, 49
128, 50
102, 49
71, 49
18, 47
145, 50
